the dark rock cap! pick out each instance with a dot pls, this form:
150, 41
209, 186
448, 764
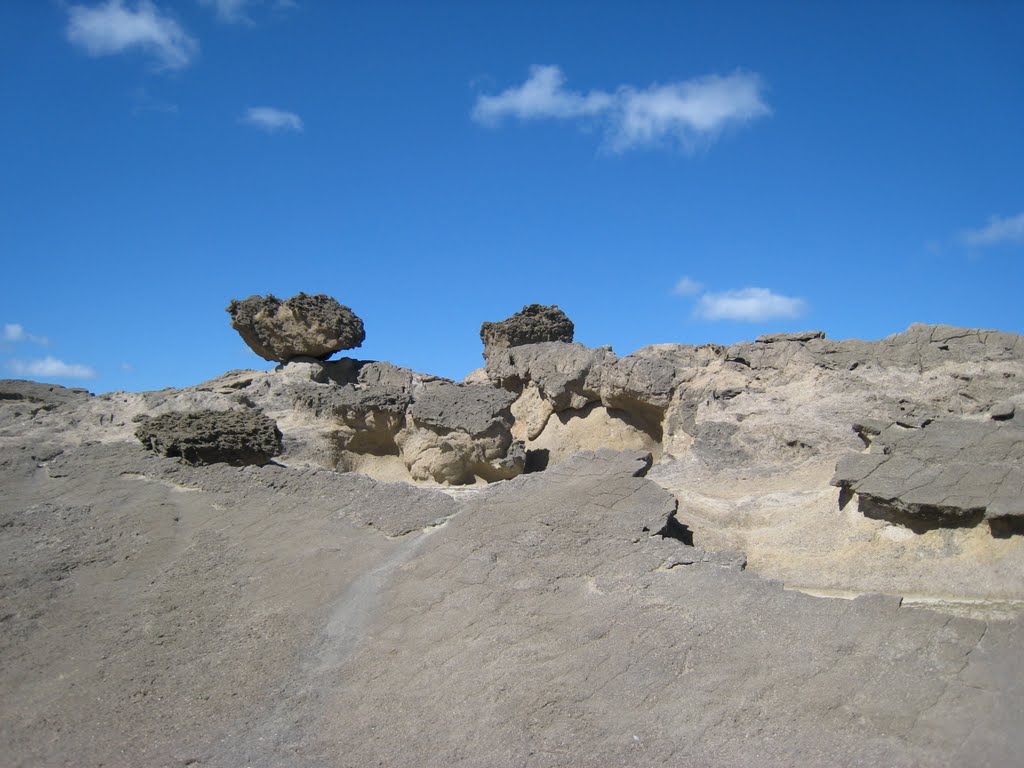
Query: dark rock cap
209, 437
303, 326
800, 336
534, 324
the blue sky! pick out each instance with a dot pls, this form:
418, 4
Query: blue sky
665, 172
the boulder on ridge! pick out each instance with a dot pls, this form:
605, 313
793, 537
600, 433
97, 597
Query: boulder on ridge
314, 326
534, 324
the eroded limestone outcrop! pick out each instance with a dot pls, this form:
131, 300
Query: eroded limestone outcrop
456, 432
775, 403
314, 326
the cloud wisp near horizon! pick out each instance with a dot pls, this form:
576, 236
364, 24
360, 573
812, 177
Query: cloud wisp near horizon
687, 113
52, 368
14, 334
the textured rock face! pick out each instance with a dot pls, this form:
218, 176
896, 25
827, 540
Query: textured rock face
302, 326
642, 607
566, 375
40, 395
209, 437
946, 472
458, 431
552, 620
534, 324
772, 338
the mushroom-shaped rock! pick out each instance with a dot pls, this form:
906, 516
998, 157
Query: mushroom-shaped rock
536, 323
302, 326
208, 437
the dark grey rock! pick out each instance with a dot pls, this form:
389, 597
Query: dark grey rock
209, 437
470, 408
1002, 411
379, 387
772, 338
640, 383
535, 323
949, 472
314, 326
45, 395
512, 464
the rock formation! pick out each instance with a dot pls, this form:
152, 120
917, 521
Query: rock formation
302, 326
236, 437
653, 596
534, 324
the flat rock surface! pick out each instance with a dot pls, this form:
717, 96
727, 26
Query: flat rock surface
950, 469
469, 408
165, 615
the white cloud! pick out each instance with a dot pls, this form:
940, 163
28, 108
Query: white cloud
684, 112
687, 111
15, 332
114, 27
542, 95
273, 120
687, 287
748, 304
51, 368
998, 230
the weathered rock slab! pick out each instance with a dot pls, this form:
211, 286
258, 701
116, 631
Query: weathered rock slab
237, 437
947, 472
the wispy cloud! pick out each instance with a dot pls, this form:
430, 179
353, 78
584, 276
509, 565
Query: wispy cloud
748, 304
15, 332
51, 368
687, 286
144, 102
231, 11
998, 230
236, 11
542, 95
685, 113
273, 120
114, 27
